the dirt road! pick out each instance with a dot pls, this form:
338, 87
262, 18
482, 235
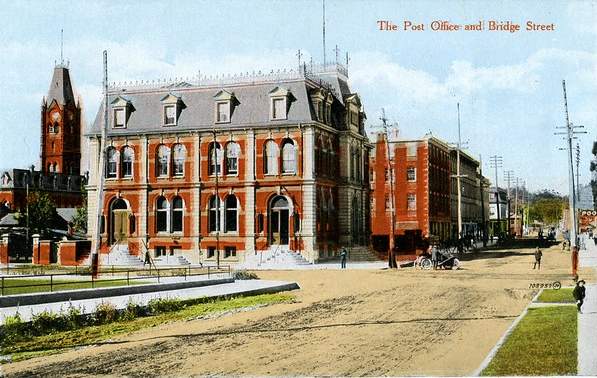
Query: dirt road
352, 322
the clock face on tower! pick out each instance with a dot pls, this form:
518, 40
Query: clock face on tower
55, 116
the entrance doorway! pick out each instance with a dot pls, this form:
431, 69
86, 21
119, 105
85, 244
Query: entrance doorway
279, 217
119, 221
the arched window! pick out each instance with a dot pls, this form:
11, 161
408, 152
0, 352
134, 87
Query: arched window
179, 157
128, 155
50, 167
161, 215
271, 158
215, 159
55, 168
112, 162
231, 214
214, 214
177, 214
288, 157
163, 159
232, 154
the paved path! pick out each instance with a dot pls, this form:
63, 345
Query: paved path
88, 305
587, 321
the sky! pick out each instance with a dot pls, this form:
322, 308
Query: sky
509, 85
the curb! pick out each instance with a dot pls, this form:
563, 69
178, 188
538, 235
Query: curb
73, 295
504, 337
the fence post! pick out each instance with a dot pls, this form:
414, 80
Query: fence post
2, 285
92, 282
51, 282
208, 271
158, 271
127, 277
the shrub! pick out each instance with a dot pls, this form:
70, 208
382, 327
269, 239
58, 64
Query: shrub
105, 312
13, 329
162, 305
45, 322
244, 275
131, 311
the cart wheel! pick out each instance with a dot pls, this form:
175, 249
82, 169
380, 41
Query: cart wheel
426, 264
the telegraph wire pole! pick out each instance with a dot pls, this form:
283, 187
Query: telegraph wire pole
458, 176
569, 135
496, 162
508, 177
391, 256
578, 171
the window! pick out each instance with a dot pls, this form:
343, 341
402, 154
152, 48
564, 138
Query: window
231, 214
128, 155
177, 214
223, 112
163, 159
112, 157
170, 115
411, 174
387, 202
411, 201
279, 108
232, 154
211, 252
271, 158
119, 118
214, 214
215, 159
161, 215
160, 251
55, 168
229, 252
179, 158
288, 157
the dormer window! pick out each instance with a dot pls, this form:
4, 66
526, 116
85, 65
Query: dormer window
171, 107
119, 118
279, 103
224, 106
121, 109
169, 115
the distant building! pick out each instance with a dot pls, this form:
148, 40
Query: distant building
421, 192
585, 201
473, 214
498, 211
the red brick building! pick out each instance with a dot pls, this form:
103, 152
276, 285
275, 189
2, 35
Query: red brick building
225, 169
419, 173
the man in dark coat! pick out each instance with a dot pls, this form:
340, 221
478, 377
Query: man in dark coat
538, 255
343, 254
579, 294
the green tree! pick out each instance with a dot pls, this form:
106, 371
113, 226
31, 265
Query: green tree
547, 210
80, 219
42, 214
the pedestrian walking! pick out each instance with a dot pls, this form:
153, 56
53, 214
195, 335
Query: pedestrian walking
343, 255
538, 255
434, 256
579, 294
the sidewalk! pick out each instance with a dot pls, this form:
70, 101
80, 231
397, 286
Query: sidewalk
88, 305
587, 321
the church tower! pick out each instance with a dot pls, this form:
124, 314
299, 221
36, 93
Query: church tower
61, 126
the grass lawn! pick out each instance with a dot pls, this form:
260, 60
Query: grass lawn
563, 295
14, 286
543, 343
56, 342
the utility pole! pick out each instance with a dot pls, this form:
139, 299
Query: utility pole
391, 256
218, 166
323, 34
458, 176
516, 209
101, 169
508, 177
569, 135
481, 185
496, 162
578, 171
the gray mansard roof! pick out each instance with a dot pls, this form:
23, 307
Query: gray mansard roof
251, 107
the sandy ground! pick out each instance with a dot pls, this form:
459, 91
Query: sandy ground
352, 323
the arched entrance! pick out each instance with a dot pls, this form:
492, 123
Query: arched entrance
119, 221
279, 220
